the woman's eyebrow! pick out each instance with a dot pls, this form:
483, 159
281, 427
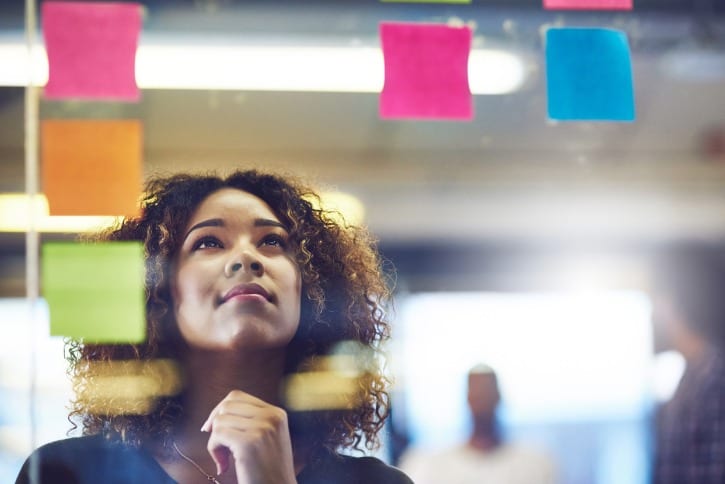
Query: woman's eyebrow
212, 222
266, 222
217, 222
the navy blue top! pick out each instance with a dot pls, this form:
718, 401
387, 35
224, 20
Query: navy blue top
94, 459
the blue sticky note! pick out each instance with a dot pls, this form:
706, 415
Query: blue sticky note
589, 75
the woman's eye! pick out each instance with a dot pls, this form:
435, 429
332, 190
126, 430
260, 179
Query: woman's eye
207, 243
274, 240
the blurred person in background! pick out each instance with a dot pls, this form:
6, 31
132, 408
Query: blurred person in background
486, 457
689, 317
247, 286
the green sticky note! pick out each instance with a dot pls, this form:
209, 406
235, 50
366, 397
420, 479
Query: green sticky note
95, 292
426, 1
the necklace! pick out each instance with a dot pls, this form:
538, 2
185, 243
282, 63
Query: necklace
209, 477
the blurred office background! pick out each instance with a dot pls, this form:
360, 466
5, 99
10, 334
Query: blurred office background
518, 241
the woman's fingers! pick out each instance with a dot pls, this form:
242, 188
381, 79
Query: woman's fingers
228, 441
220, 454
252, 434
238, 403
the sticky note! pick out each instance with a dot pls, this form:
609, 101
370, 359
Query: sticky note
426, 1
91, 50
426, 71
589, 75
129, 387
588, 4
95, 292
91, 167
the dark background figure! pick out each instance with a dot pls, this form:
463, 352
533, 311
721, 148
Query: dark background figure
486, 456
483, 399
689, 317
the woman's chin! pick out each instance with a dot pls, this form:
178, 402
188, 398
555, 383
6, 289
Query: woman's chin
249, 340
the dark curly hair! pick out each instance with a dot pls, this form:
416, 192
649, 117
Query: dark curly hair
344, 294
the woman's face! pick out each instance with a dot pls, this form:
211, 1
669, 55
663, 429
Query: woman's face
236, 283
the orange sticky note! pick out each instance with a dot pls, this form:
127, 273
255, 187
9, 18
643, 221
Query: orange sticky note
91, 49
91, 167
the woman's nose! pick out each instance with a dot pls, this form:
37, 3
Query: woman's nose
244, 262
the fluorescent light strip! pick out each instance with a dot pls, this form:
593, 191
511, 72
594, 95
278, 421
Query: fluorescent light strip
14, 216
255, 68
14, 210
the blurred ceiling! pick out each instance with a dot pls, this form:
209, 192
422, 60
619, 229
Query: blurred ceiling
510, 176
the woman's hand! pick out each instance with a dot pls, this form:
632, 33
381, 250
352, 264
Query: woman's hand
254, 434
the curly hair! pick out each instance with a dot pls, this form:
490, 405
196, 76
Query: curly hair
344, 295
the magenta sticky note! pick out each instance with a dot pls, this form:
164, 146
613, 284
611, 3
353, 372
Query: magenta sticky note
426, 72
91, 50
588, 4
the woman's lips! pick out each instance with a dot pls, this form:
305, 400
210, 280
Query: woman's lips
252, 291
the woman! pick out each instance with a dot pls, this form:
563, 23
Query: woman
247, 284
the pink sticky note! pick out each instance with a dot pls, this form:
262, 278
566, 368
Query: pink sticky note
426, 71
588, 4
91, 50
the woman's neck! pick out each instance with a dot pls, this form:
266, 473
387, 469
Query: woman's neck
209, 378
211, 375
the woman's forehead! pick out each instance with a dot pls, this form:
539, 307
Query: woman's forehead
232, 202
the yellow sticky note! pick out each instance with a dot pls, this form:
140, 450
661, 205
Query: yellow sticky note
91, 167
95, 292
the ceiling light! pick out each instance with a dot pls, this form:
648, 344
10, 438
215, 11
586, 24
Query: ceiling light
341, 207
15, 216
266, 68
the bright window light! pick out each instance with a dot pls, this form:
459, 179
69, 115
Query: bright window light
20, 331
668, 368
559, 357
